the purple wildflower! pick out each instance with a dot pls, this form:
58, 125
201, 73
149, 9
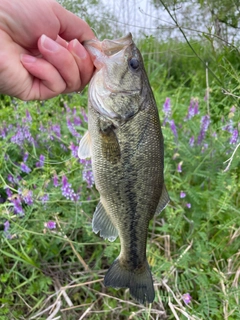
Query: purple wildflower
228, 127
234, 137
25, 156
191, 141
85, 117
22, 134
67, 190
8, 192
28, 117
44, 198
6, 230
6, 226
17, 205
188, 205
68, 110
41, 128
173, 128
25, 168
10, 178
63, 146
192, 109
182, 194
77, 121
179, 166
74, 150
40, 163
186, 298
167, 107
55, 180
28, 197
72, 129
3, 132
74, 111
56, 129
87, 172
50, 224
205, 121
2, 199
14, 180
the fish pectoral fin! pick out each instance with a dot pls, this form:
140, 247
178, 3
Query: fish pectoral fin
164, 199
109, 144
102, 222
84, 150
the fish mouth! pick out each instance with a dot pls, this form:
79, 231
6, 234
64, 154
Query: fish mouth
100, 50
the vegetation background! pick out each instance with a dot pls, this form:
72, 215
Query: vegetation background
51, 263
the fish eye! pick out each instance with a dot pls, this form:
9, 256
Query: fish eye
133, 63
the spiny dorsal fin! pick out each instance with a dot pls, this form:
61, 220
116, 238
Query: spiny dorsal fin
84, 150
164, 199
102, 222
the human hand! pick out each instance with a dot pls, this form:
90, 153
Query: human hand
41, 54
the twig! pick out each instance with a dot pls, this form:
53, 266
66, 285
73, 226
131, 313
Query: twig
231, 158
173, 268
207, 89
180, 307
41, 312
188, 29
230, 94
172, 308
85, 266
189, 44
57, 308
83, 263
81, 284
62, 290
89, 309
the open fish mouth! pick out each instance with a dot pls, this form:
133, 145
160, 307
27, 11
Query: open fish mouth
101, 50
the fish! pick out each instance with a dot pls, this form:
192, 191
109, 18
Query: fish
125, 143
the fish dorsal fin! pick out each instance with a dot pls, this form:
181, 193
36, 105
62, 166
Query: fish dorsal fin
109, 143
164, 199
102, 222
84, 150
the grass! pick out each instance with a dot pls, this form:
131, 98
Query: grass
51, 263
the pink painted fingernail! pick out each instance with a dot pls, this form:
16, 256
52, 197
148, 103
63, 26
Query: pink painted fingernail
78, 49
25, 58
49, 44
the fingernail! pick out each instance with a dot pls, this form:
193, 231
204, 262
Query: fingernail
79, 50
25, 58
49, 44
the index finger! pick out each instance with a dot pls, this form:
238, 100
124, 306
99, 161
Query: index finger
71, 26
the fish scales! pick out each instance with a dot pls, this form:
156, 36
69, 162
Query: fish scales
126, 145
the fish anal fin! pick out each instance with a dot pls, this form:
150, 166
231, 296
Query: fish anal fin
140, 284
102, 222
84, 150
164, 199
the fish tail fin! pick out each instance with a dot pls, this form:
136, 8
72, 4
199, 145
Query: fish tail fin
140, 283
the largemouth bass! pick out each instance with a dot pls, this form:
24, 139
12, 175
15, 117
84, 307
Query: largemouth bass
124, 140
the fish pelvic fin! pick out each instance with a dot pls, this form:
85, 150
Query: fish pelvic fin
164, 199
140, 284
84, 150
102, 222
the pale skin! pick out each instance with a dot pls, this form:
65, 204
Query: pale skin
41, 51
